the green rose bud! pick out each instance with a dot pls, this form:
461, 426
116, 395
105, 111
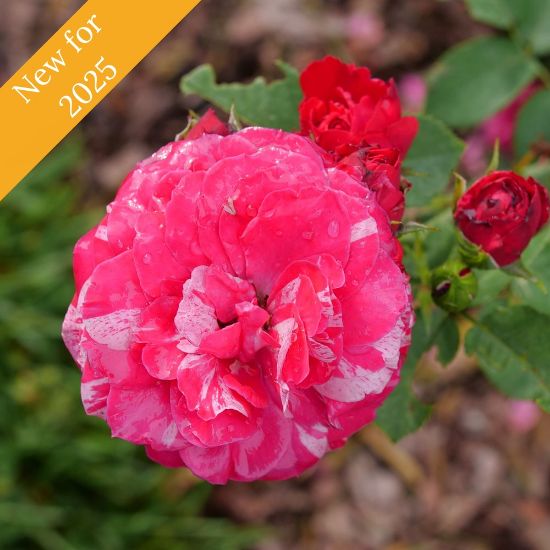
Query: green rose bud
454, 286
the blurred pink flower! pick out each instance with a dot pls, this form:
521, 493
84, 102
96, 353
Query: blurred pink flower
365, 28
474, 159
413, 91
479, 145
523, 416
501, 125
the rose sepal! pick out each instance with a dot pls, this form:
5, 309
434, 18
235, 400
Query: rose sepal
473, 255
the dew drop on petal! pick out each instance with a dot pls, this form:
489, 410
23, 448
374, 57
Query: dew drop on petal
279, 233
147, 258
251, 210
307, 235
333, 229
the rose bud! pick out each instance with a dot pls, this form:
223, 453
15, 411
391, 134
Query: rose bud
501, 213
343, 105
454, 286
380, 171
209, 123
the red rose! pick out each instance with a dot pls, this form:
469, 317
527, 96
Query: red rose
380, 170
209, 123
501, 213
344, 106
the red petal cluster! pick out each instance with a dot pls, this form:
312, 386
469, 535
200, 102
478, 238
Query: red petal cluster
347, 112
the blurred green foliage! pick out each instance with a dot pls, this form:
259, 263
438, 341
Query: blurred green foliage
477, 78
64, 483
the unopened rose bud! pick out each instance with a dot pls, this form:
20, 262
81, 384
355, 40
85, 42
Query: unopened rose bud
501, 213
454, 286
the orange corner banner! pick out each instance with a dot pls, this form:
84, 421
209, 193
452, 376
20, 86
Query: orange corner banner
73, 72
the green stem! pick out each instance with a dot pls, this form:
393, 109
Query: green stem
468, 317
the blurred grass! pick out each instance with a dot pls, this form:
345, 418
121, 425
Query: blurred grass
64, 483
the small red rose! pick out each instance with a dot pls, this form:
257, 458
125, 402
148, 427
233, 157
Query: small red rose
501, 213
343, 105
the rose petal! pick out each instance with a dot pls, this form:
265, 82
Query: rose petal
168, 459
162, 360
142, 416
278, 235
94, 390
225, 291
223, 344
256, 456
154, 263
213, 464
196, 316
376, 308
181, 222
156, 322
200, 380
90, 250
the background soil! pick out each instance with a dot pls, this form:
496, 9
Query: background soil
477, 475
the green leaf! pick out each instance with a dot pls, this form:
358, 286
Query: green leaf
533, 123
402, 412
491, 282
476, 79
532, 21
512, 346
529, 18
536, 259
447, 340
440, 244
540, 171
430, 161
273, 105
496, 13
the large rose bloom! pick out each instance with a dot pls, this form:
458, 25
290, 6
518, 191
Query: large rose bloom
240, 309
